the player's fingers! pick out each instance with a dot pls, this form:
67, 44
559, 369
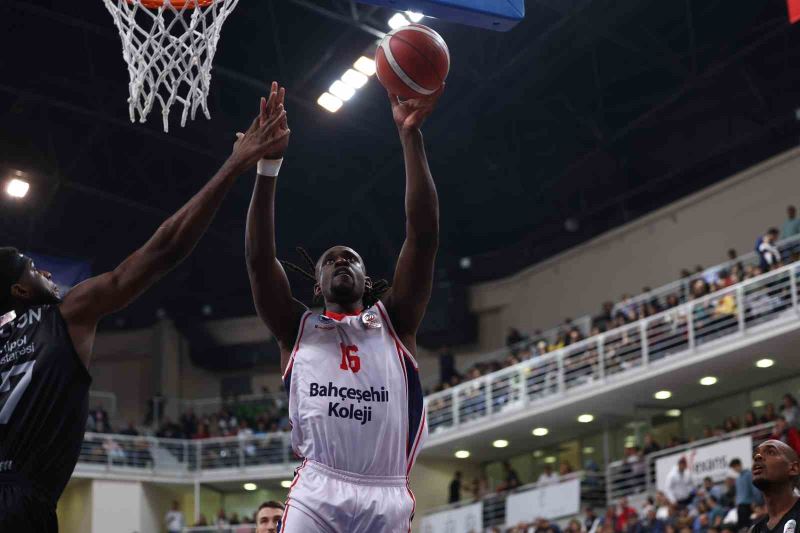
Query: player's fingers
239, 134
262, 110
275, 121
394, 99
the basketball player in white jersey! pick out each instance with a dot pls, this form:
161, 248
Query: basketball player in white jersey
355, 401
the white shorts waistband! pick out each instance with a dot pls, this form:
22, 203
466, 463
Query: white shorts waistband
358, 479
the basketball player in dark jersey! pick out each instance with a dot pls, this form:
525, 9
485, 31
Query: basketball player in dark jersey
776, 471
46, 341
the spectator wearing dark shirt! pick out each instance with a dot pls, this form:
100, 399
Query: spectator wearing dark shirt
455, 489
511, 479
769, 414
650, 444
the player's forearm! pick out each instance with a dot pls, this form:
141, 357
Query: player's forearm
260, 232
422, 201
177, 236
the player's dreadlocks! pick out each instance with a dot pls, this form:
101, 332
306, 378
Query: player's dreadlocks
371, 295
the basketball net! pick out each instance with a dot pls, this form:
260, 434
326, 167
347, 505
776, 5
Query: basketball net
169, 47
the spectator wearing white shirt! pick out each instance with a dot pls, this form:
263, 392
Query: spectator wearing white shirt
768, 253
174, 519
680, 487
548, 476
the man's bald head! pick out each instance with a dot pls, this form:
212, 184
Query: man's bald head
775, 464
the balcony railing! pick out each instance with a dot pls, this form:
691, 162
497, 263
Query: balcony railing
611, 356
592, 493
628, 478
682, 287
123, 454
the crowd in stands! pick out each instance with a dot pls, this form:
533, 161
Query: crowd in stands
686, 505
718, 314
256, 423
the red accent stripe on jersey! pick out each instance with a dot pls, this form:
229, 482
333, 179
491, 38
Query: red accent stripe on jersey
338, 316
296, 478
283, 518
393, 333
296, 346
416, 442
413, 505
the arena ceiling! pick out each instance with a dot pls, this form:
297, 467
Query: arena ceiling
597, 111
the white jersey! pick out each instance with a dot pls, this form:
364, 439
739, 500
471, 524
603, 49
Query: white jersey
355, 399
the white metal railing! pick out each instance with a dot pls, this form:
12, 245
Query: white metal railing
609, 356
682, 287
494, 504
627, 478
180, 457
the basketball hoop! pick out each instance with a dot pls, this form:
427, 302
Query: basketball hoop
169, 47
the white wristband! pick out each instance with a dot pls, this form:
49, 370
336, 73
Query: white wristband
269, 167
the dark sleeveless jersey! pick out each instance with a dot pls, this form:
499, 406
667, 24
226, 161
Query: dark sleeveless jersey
44, 394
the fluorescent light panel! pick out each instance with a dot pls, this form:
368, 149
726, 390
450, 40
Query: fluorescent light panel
365, 65
17, 188
341, 90
329, 102
354, 79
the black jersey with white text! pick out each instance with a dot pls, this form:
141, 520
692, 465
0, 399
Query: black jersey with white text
44, 391
788, 523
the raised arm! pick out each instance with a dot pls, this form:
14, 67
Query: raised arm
413, 277
86, 304
272, 294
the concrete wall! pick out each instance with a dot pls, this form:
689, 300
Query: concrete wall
123, 364
648, 252
74, 508
430, 481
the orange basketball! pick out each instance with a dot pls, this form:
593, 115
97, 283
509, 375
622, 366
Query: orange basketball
412, 61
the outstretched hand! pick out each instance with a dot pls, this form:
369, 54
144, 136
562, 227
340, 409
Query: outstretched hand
410, 114
268, 135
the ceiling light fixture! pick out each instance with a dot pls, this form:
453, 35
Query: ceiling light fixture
708, 381
500, 443
540, 432
329, 102
462, 454
585, 418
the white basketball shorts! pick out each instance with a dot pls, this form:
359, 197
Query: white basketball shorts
323, 499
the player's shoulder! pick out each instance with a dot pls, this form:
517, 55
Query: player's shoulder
759, 526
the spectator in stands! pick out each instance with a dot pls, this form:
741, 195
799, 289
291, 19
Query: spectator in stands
768, 253
653, 524
786, 434
789, 410
268, 516
574, 526
650, 444
174, 519
511, 479
791, 227
513, 338
129, 430
201, 522
769, 414
750, 419
680, 486
746, 493
222, 519
565, 468
548, 476
480, 488
543, 525
455, 489
590, 520
625, 514
716, 513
